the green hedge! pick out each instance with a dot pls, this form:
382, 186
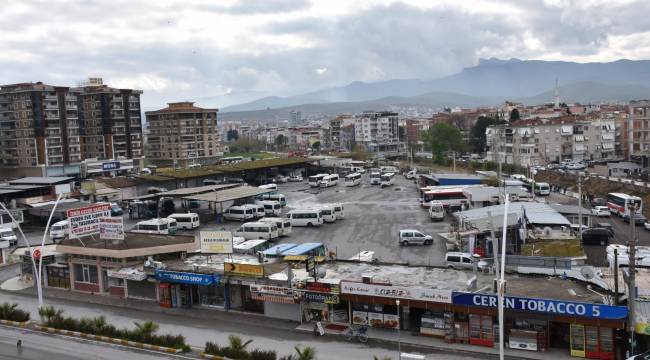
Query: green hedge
143, 332
12, 313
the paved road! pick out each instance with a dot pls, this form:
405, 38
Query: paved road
38, 346
198, 331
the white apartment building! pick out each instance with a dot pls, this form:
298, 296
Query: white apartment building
537, 143
378, 131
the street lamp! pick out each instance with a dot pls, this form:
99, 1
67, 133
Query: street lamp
399, 333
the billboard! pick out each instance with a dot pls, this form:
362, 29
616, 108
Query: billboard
243, 269
111, 228
85, 220
110, 166
216, 242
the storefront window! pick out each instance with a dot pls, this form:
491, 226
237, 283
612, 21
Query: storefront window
58, 277
212, 295
85, 273
114, 282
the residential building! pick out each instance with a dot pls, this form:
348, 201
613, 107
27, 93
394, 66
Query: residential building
378, 131
335, 131
295, 118
638, 131
50, 130
535, 142
183, 134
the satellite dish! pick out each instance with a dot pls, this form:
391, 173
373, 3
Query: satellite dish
321, 273
588, 272
547, 231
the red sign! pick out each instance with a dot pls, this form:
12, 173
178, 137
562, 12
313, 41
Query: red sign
322, 287
36, 253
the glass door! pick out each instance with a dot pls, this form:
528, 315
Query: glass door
577, 340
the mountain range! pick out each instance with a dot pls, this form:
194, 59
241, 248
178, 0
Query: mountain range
489, 83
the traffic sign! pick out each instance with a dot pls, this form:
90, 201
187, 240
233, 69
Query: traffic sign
36, 254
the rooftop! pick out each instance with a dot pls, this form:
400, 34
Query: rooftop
134, 244
538, 213
230, 194
182, 106
38, 180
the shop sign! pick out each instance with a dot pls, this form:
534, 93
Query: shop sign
272, 290
322, 287
111, 165
396, 292
555, 307
317, 297
85, 220
216, 242
642, 328
111, 228
88, 187
243, 269
187, 278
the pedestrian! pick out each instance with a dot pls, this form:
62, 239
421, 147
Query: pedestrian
19, 343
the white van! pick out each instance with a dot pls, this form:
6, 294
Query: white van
270, 207
387, 179
240, 213
459, 260
258, 230
284, 225
375, 178
314, 180
186, 221
7, 234
164, 226
59, 230
338, 210
275, 197
269, 187
353, 179
328, 214
305, 217
329, 180
436, 211
258, 209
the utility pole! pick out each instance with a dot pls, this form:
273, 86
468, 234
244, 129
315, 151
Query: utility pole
631, 287
580, 208
615, 276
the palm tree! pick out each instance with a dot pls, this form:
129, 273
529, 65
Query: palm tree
237, 344
49, 313
307, 353
384, 358
6, 310
146, 328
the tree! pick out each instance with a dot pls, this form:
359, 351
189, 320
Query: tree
232, 135
237, 344
359, 153
146, 328
316, 145
442, 138
280, 140
514, 115
478, 139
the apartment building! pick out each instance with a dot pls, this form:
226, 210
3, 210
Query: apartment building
638, 131
50, 130
378, 131
535, 142
183, 134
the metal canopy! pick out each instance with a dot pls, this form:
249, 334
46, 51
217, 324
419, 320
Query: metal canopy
235, 193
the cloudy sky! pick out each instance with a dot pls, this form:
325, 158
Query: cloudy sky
225, 52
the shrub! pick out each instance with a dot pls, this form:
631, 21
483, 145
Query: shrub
212, 349
12, 313
258, 354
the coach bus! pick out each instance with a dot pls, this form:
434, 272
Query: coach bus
619, 204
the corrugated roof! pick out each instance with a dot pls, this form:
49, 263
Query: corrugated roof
537, 213
302, 248
458, 176
235, 193
38, 180
278, 249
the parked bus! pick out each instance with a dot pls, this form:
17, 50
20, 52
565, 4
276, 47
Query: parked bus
453, 198
303, 251
328, 214
305, 217
338, 210
284, 225
275, 252
314, 181
387, 179
329, 180
258, 230
274, 197
270, 207
239, 213
619, 204
375, 178
542, 189
353, 179
187, 221
436, 211
163, 226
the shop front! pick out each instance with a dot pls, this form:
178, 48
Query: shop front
184, 290
118, 279
321, 301
279, 302
587, 330
240, 278
410, 308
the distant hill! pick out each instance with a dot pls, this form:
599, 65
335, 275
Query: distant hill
591, 92
491, 80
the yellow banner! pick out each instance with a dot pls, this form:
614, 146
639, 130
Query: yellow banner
642, 328
243, 269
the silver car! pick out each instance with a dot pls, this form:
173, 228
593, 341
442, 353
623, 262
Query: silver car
410, 236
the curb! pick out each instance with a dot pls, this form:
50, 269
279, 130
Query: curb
14, 323
215, 357
108, 339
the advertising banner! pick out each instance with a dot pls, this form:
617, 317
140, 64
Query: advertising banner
111, 165
322, 287
552, 307
243, 269
216, 242
187, 278
317, 297
85, 221
396, 292
111, 228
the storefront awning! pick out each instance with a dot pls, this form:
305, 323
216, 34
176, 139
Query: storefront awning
127, 274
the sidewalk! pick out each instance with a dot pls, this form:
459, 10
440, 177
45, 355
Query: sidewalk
415, 341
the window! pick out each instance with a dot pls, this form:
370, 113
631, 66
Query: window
113, 282
85, 273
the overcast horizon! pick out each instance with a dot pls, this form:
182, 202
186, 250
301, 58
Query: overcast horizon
232, 52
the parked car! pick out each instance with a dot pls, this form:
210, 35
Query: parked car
607, 226
600, 211
295, 178
646, 225
459, 260
596, 236
598, 202
638, 219
410, 236
280, 179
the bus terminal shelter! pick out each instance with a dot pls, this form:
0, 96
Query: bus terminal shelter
216, 199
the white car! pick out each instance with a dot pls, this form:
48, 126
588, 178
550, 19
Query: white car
646, 225
600, 211
280, 179
295, 178
411, 174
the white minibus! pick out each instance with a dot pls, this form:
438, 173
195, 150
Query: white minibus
387, 179
270, 207
164, 226
353, 179
436, 211
328, 214
59, 230
251, 247
338, 210
186, 221
305, 217
284, 225
329, 180
260, 212
269, 187
258, 230
239, 213
375, 178
275, 197
314, 181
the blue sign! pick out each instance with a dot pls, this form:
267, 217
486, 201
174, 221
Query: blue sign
112, 165
187, 278
553, 307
